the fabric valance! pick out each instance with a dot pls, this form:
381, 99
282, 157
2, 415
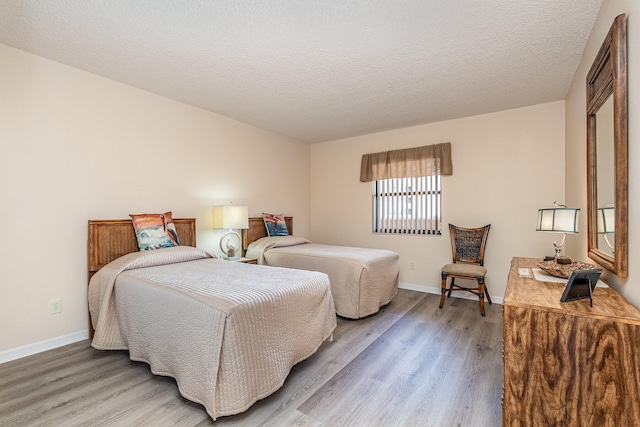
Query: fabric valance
428, 160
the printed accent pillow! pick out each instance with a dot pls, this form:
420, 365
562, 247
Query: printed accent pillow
153, 231
276, 225
170, 228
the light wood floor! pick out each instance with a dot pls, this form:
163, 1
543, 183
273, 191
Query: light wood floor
412, 364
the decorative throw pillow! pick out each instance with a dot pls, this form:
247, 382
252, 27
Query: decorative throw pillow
171, 228
153, 232
276, 225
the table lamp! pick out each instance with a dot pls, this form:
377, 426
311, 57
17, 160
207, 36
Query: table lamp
230, 217
558, 219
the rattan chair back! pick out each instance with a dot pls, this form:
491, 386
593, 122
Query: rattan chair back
467, 244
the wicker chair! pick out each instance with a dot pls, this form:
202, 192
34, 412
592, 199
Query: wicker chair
467, 245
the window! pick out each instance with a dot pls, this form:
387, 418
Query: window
407, 190
407, 205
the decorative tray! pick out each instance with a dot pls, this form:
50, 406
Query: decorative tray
564, 270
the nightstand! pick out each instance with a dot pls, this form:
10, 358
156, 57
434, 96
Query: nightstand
245, 260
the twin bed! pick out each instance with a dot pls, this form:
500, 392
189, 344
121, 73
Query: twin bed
362, 279
228, 332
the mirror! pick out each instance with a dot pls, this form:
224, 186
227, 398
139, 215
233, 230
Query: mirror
607, 163
605, 179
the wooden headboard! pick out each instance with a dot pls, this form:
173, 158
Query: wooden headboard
110, 239
257, 230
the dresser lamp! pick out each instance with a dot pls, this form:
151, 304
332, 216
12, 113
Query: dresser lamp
230, 217
607, 222
559, 219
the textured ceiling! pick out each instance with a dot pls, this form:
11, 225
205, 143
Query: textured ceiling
318, 70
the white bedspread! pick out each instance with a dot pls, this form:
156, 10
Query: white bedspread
362, 279
228, 332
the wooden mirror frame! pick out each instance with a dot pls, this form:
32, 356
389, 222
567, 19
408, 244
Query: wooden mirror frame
608, 77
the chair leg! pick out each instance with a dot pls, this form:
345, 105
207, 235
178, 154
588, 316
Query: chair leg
481, 294
444, 289
486, 292
451, 285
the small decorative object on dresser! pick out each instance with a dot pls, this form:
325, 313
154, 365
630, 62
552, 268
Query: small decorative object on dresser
564, 270
581, 285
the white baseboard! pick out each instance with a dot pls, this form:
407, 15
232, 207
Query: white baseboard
38, 347
437, 291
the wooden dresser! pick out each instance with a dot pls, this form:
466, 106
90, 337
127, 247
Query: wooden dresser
568, 364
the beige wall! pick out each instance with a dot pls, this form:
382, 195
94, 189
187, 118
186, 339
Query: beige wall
75, 146
576, 181
506, 166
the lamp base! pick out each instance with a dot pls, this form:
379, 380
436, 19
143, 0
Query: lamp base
560, 259
231, 249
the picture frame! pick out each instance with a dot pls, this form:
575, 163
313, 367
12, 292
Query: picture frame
581, 285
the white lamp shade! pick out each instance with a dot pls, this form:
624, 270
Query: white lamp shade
559, 220
607, 220
230, 217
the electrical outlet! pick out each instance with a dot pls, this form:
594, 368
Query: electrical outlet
55, 306
412, 266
